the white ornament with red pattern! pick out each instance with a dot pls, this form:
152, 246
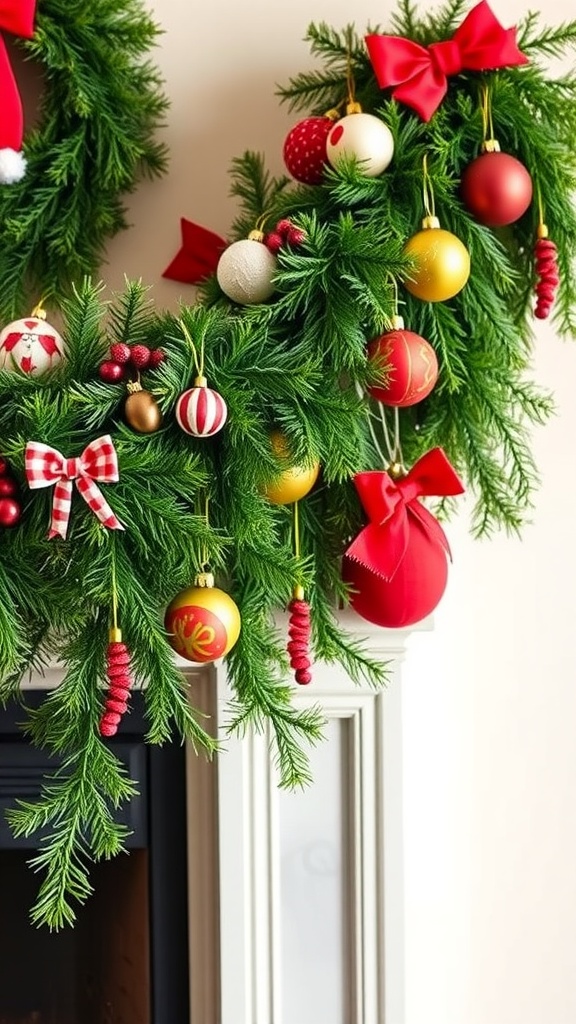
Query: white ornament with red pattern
30, 346
200, 411
364, 138
246, 269
305, 153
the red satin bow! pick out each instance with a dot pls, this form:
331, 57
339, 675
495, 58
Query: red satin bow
418, 75
389, 504
17, 17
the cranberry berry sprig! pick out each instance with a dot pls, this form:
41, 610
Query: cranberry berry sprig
127, 361
285, 233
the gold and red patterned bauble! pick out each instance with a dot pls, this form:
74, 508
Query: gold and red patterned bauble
294, 481
31, 345
304, 152
246, 270
364, 138
496, 188
407, 364
202, 622
200, 410
442, 263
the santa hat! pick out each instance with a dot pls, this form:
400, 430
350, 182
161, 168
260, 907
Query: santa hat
16, 16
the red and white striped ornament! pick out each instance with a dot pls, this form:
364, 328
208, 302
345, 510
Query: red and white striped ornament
200, 411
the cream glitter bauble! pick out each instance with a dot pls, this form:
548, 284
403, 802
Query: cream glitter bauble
364, 137
245, 271
30, 346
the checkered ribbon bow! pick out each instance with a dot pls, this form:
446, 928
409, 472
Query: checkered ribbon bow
46, 466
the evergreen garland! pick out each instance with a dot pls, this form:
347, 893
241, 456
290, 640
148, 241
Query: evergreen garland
94, 138
298, 364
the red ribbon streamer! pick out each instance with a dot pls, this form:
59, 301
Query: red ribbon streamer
17, 17
418, 75
389, 505
198, 256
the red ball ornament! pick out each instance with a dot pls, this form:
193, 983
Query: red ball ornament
8, 487
200, 410
10, 512
409, 366
305, 149
413, 592
496, 188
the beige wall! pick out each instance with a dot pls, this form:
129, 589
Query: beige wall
490, 696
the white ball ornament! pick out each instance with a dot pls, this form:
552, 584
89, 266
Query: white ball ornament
31, 346
246, 269
363, 137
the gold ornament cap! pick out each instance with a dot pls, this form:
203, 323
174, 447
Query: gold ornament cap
133, 386
490, 146
114, 635
256, 235
430, 222
396, 470
397, 322
542, 230
204, 579
353, 108
298, 592
200, 381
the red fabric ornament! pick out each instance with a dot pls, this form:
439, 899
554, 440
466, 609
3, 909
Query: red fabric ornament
418, 75
412, 368
547, 277
397, 563
305, 149
198, 256
496, 188
298, 645
17, 17
119, 685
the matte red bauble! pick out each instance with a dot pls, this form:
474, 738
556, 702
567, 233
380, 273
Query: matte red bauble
496, 188
413, 592
409, 366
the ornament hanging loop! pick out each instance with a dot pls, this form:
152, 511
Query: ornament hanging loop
430, 219
489, 143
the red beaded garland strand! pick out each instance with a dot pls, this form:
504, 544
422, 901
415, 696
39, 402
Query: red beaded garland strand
119, 684
299, 633
547, 277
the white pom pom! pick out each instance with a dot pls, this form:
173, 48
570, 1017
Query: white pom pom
12, 166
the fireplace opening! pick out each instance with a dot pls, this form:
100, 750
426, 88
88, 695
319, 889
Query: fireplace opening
126, 959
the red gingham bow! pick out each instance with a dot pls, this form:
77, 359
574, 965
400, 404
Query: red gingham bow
46, 466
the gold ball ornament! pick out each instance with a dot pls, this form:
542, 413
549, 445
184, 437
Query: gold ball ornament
202, 622
141, 410
295, 481
442, 263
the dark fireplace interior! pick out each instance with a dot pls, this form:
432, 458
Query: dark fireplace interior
126, 959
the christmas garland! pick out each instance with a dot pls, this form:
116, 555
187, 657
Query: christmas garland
269, 447
61, 195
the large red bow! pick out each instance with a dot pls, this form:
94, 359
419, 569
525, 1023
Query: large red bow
17, 17
389, 504
46, 466
418, 75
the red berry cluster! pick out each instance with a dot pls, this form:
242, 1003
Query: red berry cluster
299, 633
127, 359
120, 682
10, 507
547, 278
285, 233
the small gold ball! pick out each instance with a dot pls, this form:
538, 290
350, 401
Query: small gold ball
295, 481
142, 412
